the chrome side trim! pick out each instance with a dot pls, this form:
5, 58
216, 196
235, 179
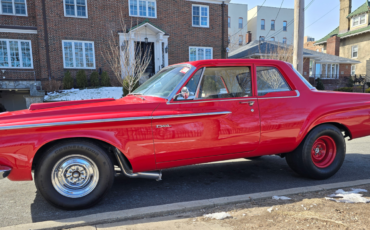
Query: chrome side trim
213, 100
74, 123
4, 172
109, 120
191, 115
298, 95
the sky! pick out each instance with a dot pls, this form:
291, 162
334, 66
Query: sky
321, 17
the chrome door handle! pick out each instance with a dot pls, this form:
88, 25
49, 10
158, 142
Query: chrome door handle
251, 103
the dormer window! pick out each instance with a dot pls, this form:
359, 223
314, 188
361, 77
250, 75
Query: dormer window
359, 20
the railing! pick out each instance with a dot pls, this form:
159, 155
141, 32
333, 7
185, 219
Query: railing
325, 76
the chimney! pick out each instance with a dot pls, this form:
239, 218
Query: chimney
345, 10
332, 45
248, 37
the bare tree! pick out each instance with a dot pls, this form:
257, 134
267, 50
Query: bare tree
127, 60
277, 51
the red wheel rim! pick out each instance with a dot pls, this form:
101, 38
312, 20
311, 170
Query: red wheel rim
323, 151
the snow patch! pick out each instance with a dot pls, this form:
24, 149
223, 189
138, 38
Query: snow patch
353, 196
217, 216
280, 198
270, 209
85, 94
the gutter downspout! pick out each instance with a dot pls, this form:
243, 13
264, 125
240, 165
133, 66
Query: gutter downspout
46, 39
223, 31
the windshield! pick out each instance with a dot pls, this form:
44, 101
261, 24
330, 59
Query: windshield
164, 82
303, 78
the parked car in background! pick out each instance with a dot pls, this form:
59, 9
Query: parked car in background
189, 113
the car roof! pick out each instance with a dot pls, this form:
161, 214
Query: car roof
218, 62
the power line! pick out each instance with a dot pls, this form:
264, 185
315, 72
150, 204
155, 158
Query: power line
276, 17
308, 5
322, 17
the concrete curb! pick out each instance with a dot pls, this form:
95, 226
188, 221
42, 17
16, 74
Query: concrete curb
155, 211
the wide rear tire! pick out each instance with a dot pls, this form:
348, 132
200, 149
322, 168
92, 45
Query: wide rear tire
320, 155
74, 175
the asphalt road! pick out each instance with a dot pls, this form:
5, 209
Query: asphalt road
20, 202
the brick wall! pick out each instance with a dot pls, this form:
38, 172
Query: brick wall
306, 68
333, 44
173, 16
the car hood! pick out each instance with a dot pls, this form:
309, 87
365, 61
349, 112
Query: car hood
100, 109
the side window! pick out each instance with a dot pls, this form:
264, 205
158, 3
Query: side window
192, 85
269, 80
226, 82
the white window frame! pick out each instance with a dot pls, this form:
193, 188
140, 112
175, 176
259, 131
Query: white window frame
20, 54
14, 14
273, 23
330, 66
200, 15
201, 47
228, 22
74, 54
358, 20
352, 48
75, 16
284, 40
264, 24
240, 25
138, 9
272, 39
353, 70
286, 27
262, 38
240, 40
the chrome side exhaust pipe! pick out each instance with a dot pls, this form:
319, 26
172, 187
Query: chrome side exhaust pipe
156, 175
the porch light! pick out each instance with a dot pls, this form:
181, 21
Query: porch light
146, 37
123, 46
146, 40
166, 49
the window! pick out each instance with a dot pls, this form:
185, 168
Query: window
229, 39
240, 23
143, 8
317, 50
229, 22
354, 51
192, 85
269, 79
272, 39
15, 54
262, 38
200, 16
359, 20
285, 26
263, 24
284, 40
353, 70
225, 82
75, 8
240, 40
329, 71
13, 7
200, 53
272, 24
78, 54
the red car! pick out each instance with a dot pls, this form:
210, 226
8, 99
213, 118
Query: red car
188, 113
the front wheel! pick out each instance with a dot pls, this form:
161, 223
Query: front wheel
320, 155
74, 175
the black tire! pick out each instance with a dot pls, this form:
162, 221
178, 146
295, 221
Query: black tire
74, 149
253, 158
301, 160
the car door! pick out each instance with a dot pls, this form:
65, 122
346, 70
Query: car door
282, 110
221, 116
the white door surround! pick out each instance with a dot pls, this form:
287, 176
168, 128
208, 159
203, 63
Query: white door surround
155, 35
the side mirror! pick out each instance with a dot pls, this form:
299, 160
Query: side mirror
184, 93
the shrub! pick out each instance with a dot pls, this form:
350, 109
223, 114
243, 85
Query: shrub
319, 84
81, 79
105, 80
94, 79
345, 89
125, 86
367, 90
350, 82
67, 80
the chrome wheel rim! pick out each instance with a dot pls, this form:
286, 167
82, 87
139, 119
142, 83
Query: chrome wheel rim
75, 176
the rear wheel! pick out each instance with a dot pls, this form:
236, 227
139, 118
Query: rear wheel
320, 155
74, 175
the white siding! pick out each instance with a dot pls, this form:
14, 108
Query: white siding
237, 11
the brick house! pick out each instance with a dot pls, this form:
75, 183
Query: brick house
351, 39
330, 68
42, 39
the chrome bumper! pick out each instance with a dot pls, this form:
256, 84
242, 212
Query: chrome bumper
4, 171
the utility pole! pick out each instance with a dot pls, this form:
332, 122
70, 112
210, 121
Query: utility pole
298, 35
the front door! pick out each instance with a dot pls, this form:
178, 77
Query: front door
220, 117
147, 51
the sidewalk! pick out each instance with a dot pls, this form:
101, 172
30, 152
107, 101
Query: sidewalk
303, 211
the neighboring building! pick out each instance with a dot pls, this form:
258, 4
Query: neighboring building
271, 24
40, 40
309, 43
237, 23
351, 39
332, 69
